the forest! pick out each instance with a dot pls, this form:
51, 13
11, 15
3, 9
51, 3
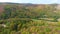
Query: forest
29, 18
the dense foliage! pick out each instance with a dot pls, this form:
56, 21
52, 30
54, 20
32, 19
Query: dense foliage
27, 19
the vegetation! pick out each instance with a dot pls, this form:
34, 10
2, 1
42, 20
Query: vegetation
29, 19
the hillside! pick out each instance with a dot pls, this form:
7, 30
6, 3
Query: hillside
27, 18
29, 10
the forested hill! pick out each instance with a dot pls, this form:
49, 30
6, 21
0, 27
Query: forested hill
27, 18
28, 10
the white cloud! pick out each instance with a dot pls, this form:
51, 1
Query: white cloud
5, 0
54, 1
31, 1
8, 0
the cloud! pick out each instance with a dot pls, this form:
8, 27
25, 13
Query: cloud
31, 1
45, 1
8, 0
54, 1
5, 0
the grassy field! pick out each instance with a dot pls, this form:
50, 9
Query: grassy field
42, 27
34, 27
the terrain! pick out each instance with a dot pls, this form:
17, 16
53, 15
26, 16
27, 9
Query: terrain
27, 18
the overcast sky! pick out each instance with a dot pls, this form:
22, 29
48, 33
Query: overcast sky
32, 1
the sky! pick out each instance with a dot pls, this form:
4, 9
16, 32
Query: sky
33, 1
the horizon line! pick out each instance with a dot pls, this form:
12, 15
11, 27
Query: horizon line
30, 3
